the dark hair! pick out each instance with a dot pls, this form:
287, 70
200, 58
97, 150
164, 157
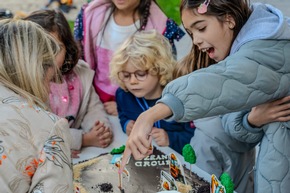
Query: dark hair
55, 21
143, 10
194, 60
238, 9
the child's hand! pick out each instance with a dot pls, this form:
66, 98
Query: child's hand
111, 108
75, 153
129, 127
278, 110
105, 135
98, 136
160, 136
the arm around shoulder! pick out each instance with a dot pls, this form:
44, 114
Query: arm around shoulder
236, 125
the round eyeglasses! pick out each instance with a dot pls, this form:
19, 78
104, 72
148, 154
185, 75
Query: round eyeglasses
139, 75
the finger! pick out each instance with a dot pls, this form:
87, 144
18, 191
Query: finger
75, 155
105, 136
154, 130
150, 150
282, 114
99, 131
284, 106
106, 142
156, 141
154, 135
106, 129
97, 122
284, 119
143, 144
97, 127
283, 100
125, 158
106, 104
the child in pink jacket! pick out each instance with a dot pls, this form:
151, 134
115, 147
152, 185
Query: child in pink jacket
74, 98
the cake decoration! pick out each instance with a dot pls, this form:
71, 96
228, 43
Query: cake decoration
189, 156
227, 182
167, 181
216, 185
176, 169
117, 164
118, 150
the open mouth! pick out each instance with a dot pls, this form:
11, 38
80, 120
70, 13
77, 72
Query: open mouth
209, 51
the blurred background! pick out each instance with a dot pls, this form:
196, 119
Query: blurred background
170, 7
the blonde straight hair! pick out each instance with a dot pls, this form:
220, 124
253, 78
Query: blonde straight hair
27, 52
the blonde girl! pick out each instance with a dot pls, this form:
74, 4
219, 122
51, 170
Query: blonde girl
35, 144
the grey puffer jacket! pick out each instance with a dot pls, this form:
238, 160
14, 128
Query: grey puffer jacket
256, 71
272, 168
218, 152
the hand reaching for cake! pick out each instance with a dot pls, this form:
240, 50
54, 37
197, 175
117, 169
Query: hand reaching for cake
140, 139
160, 136
98, 136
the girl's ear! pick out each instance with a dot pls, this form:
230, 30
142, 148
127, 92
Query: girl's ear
230, 21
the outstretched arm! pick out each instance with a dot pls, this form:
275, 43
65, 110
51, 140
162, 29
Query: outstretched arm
235, 84
139, 141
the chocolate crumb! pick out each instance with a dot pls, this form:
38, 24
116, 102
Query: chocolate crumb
106, 187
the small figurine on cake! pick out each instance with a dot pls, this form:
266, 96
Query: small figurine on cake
224, 185
176, 169
177, 172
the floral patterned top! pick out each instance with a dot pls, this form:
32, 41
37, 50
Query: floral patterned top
34, 148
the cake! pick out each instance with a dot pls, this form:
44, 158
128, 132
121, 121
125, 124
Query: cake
149, 175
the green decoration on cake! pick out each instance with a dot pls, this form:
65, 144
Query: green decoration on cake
189, 154
227, 182
118, 150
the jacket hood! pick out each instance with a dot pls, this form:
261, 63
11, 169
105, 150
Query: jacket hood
265, 22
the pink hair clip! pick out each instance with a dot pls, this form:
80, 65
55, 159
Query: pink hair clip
203, 7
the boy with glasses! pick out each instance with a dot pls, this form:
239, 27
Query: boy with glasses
142, 66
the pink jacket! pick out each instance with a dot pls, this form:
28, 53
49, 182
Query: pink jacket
84, 104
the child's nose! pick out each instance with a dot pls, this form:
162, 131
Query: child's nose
197, 40
133, 78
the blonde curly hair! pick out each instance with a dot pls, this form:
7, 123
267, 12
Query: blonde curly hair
147, 51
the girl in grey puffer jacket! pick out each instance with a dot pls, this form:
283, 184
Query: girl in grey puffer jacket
253, 68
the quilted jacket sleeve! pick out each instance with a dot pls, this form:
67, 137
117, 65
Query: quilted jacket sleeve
257, 73
236, 125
